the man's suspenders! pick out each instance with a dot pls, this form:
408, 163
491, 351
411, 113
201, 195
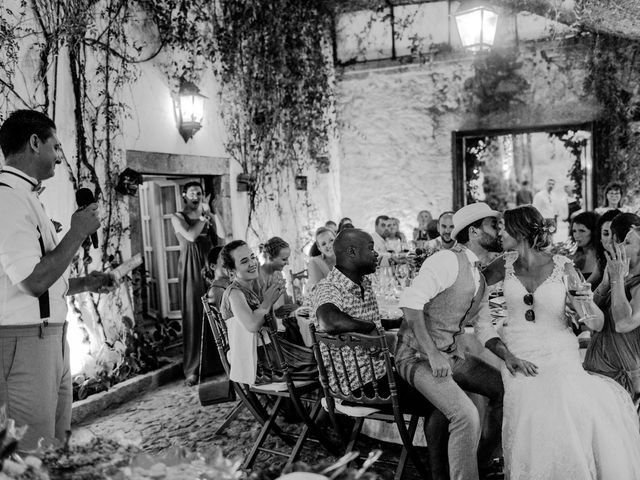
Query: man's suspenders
43, 300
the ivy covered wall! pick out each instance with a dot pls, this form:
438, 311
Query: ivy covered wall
395, 121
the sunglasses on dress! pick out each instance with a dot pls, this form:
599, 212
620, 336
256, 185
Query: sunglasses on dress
529, 315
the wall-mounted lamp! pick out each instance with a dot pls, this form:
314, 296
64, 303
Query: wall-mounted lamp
188, 107
477, 27
301, 182
245, 182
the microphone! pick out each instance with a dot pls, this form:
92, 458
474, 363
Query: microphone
84, 198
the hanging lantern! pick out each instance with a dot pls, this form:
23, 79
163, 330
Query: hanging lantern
477, 27
188, 107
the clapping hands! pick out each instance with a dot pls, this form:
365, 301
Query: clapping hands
617, 263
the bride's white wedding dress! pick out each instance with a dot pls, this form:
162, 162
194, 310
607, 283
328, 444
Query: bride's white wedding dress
564, 423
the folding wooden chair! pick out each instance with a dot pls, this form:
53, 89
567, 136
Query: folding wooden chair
385, 404
274, 394
219, 329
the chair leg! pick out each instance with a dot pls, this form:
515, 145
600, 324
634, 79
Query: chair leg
413, 424
231, 416
310, 426
264, 432
408, 444
260, 412
355, 431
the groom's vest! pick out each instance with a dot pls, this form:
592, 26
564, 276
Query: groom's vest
446, 314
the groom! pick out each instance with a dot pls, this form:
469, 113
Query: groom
448, 293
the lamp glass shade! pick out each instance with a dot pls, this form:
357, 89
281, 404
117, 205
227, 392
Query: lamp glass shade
477, 28
189, 109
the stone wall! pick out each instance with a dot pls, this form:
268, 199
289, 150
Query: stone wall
396, 123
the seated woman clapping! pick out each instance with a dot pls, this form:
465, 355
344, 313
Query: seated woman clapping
246, 309
276, 253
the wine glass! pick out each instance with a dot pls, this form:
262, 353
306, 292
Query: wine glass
576, 284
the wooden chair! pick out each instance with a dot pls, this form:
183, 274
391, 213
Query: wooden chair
385, 403
298, 282
219, 329
273, 395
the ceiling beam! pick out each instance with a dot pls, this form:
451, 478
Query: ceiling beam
614, 17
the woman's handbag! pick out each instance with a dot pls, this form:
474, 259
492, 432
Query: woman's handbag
215, 391
212, 390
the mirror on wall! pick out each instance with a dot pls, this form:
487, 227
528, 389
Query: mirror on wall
508, 168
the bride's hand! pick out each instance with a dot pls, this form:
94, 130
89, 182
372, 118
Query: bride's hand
515, 364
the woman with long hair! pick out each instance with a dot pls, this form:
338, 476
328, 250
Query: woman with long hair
585, 234
195, 231
559, 421
603, 244
246, 309
615, 351
320, 265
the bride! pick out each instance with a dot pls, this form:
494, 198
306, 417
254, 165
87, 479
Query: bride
560, 422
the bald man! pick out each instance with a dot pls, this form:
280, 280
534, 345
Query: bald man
344, 302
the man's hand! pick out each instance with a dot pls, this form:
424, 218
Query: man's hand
515, 364
440, 365
85, 221
99, 282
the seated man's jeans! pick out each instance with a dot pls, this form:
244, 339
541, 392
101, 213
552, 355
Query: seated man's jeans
448, 396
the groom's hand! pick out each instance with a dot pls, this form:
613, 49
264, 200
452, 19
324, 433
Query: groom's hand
515, 364
440, 365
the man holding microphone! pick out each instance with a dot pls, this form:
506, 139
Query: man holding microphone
35, 384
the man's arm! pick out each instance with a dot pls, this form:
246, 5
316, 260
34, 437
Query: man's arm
51, 267
334, 321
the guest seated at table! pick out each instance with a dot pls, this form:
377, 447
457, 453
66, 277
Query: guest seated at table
320, 265
615, 351
585, 234
246, 310
448, 292
421, 234
444, 240
276, 256
603, 244
345, 302
215, 276
331, 225
343, 223
380, 235
394, 230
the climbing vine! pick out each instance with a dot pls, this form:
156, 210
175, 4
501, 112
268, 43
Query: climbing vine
613, 79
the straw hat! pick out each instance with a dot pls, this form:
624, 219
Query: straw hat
469, 214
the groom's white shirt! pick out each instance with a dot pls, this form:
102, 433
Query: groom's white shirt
439, 272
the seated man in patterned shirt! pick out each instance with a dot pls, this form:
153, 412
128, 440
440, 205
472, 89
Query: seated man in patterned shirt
344, 302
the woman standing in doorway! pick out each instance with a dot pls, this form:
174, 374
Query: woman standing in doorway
194, 227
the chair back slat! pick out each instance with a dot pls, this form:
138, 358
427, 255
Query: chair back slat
339, 383
219, 329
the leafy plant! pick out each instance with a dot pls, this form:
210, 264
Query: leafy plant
497, 82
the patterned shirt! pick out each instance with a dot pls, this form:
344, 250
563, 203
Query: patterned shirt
340, 291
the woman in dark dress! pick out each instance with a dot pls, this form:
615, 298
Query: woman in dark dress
194, 227
615, 351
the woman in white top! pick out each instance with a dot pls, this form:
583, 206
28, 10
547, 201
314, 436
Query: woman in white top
320, 265
613, 195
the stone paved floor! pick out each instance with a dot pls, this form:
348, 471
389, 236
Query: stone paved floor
172, 416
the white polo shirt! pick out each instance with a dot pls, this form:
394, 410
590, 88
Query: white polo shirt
21, 213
